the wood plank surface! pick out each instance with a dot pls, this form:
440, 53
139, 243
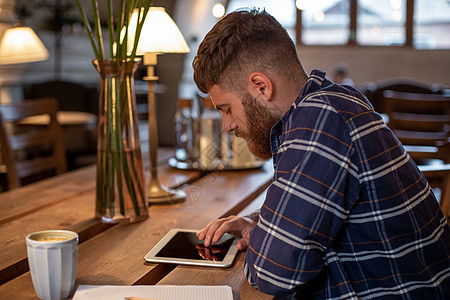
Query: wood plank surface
13, 260
39, 195
207, 198
115, 256
72, 211
233, 276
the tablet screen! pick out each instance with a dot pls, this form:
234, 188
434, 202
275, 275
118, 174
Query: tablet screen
186, 245
181, 246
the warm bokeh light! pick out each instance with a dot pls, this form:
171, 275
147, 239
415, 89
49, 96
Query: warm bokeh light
396, 4
397, 15
302, 4
218, 10
375, 31
319, 16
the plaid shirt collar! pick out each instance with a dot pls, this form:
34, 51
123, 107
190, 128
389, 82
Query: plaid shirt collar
315, 82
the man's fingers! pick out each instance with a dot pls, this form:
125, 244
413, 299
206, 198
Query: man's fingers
210, 233
225, 227
217, 228
243, 244
202, 233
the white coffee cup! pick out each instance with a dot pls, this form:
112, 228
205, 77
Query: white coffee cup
52, 257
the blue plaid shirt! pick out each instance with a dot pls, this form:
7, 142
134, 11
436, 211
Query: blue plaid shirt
348, 215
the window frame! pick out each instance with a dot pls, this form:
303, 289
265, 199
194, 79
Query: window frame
409, 24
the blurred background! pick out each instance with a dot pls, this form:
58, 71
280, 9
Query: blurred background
372, 40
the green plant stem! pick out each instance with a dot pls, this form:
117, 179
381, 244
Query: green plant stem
100, 200
117, 45
110, 149
139, 26
134, 167
130, 186
120, 22
111, 28
138, 21
117, 143
102, 191
137, 175
89, 29
98, 29
121, 170
128, 170
128, 13
119, 176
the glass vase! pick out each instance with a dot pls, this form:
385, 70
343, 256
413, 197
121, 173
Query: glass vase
121, 194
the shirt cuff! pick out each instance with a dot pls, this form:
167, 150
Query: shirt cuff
254, 216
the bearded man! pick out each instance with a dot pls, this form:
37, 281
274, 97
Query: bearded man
348, 214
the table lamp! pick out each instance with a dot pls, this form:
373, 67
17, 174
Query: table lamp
20, 44
159, 35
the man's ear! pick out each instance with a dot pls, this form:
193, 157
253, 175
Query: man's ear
260, 86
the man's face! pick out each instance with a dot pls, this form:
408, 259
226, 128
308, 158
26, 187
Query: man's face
247, 119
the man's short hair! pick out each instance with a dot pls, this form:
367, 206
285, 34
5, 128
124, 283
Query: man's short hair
243, 42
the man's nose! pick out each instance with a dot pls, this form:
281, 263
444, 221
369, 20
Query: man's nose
228, 124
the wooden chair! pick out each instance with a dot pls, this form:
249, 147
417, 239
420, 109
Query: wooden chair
438, 176
374, 90
72, 97
420, 122
31, 153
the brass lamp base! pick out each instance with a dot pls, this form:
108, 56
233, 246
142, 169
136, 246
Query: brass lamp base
159, 194
156, 193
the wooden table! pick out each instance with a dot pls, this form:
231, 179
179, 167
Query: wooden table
113, 254
79, 128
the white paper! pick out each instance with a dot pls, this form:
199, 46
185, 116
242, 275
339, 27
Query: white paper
156, 292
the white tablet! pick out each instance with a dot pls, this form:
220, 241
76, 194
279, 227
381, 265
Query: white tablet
181, 246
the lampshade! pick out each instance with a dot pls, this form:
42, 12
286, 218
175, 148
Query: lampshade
159, 34
21, 45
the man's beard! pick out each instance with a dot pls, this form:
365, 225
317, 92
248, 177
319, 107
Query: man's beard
259, 124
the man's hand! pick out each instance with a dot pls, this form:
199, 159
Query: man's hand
211, 253
235, 225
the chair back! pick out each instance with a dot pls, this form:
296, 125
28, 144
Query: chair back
419, 119
31, 153
71, 96
374, 90
439, 177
